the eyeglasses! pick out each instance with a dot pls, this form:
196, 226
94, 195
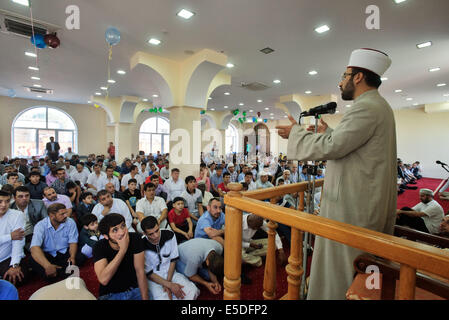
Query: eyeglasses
343, 77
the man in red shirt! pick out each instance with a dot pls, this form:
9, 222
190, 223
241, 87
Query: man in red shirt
111, 150
223, 187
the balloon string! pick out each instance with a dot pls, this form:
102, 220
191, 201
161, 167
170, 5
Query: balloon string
109, 69
32, 30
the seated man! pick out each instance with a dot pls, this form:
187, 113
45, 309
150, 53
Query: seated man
54, 246
151, 205
193, 197
156, 180
249, 181
263, 182
94, 179
13, 179
33, 211
109, 178
211, 224
80, 174
426, 216
285, 176
51, 197
161, 254
109, 205
120, 261
223, 187
36, 186
200, 260
12, 241
109, 187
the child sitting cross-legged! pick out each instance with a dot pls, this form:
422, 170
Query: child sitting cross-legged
89, 234
180, 221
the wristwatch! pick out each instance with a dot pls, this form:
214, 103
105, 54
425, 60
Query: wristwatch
15, 265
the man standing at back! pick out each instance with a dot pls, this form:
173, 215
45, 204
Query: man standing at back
52, 148
360, 184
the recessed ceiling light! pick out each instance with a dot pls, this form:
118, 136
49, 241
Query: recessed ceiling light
98, 93
37, 85
225, 107
276, 81
229, 65
424, 44
398, 90
104, 88
384, 79
271, 114
267, 108
121, 72
155, 96
111, 81
337, 111
259, 101
186, 14
308, 92
322, 29
145, 100
313, 72
272, 117
446, 95
36, 78
154, 41
30, 54
209, 98
227, 93
409, 99
22, 2
251, 111
416, 103
212, 109
89, 101
348, 106
441, 85
33, 68
241, 104
399, 1
39, 96
434, 69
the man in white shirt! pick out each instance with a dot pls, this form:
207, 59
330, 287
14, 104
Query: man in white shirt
174, 186
165, 171
69, 154
133, 174
12, 241
426, 216
151, 205
109, 178
108, 205
80, 175
93, 182
69, 169
249, 181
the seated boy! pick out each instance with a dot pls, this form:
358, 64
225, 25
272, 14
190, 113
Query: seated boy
85, 206
161, 253
180, 221
89, 234
131, 196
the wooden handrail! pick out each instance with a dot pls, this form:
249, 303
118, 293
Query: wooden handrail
268, 193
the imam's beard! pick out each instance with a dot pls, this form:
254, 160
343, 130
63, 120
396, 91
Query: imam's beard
347, 93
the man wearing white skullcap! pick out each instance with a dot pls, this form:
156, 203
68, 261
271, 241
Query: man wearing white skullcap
360, 184
426, 216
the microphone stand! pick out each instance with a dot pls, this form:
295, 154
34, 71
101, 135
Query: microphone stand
442, 166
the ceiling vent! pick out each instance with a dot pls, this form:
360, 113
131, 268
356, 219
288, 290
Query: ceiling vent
39, 90
254, 86
267, 50
20, 25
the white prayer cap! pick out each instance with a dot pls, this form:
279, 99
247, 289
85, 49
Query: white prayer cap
427, 192
370, 59
287, 171
263, 173
230, 165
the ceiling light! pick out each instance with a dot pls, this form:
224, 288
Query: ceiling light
97, 93
104, 88
322, 29
30, 54
229, 65
434, 69
155, 96
225, 107
271, 114
154, 41
277, 81
34, 68
267, 108
121, 72
39, 96
89, 101
424, 44
384, 79
415, 104
251, 111
209, 98
272, 117
111, 81
259, 101
398, 90
313, 72
446, 95
36, 78
227, 93
145, 100
241, 104
186, 14
337, 111
441, 85
37, 85
399, 1
348, 106
212, 109
22, 2
308, 92
409, 99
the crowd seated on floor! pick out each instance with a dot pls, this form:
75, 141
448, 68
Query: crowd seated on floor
408, 174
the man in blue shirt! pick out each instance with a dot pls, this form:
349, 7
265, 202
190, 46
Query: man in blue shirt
210, 224
55, 244
215, 180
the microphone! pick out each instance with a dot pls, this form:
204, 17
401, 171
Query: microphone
442, 163
323, 109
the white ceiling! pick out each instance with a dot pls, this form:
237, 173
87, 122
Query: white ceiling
78, 68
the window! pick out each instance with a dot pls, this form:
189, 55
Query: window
154, 135
231, 139
32, 129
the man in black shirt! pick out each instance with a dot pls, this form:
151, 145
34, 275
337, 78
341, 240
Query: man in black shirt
120, 261
36, 186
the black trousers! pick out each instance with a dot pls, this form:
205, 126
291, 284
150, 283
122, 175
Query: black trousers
5, 265
416, 223
180, 238
59, 260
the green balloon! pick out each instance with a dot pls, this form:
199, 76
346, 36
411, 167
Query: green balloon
160, 109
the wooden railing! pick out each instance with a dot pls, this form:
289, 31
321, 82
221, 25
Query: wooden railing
412, 256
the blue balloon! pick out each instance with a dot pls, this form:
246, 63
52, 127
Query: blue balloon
38, 41
11, 93
112, 36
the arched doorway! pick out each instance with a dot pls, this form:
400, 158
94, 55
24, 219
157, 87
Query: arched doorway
262, 139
